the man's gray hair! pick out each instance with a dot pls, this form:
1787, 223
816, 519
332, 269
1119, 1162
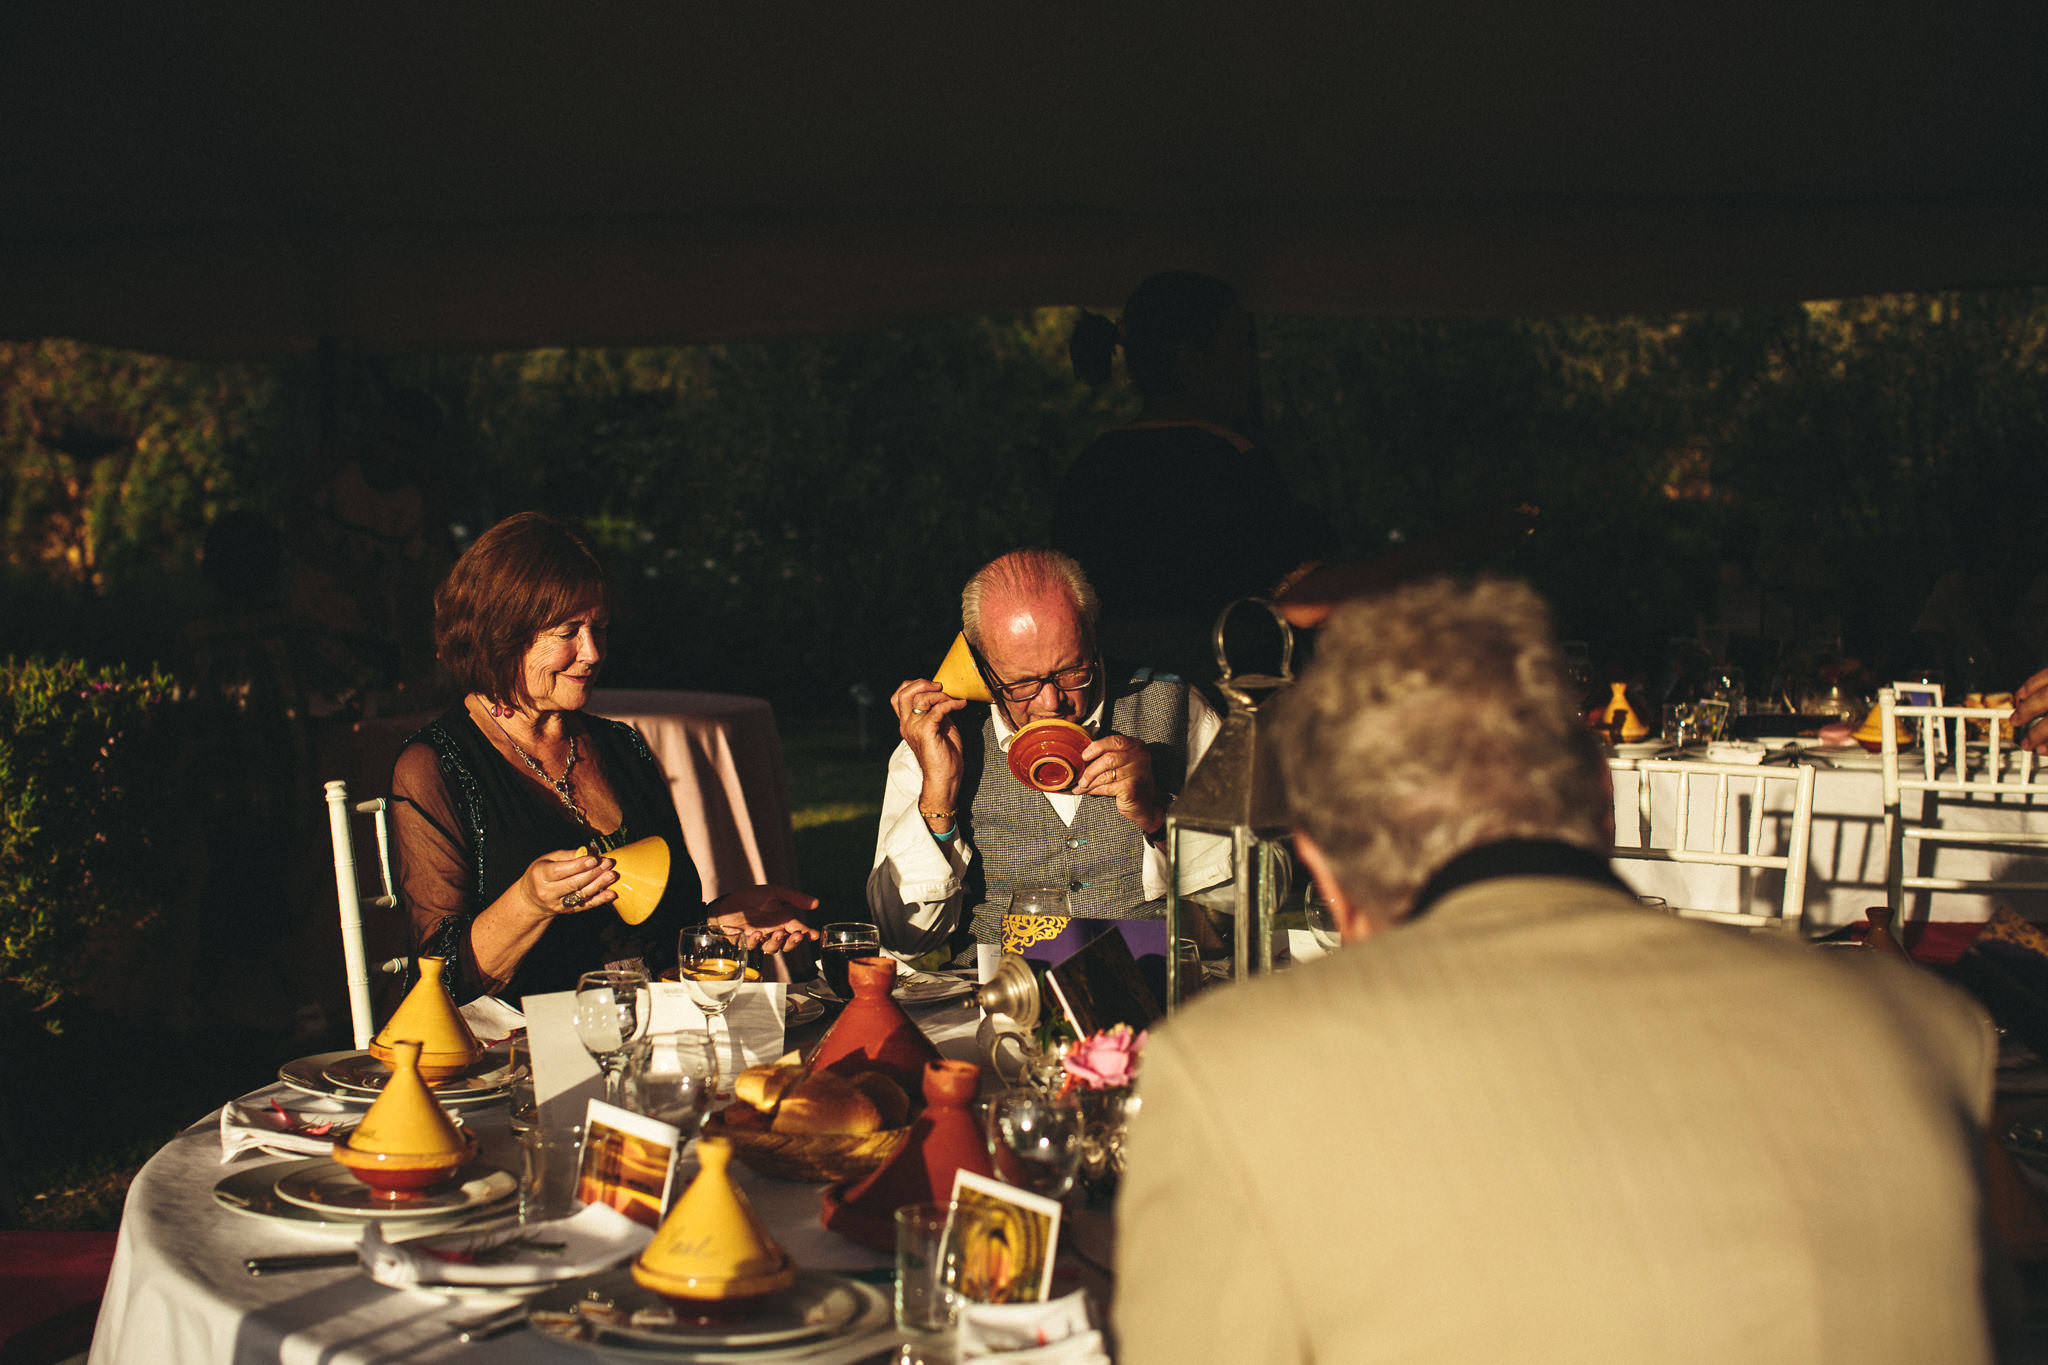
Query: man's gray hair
1028, 573
1437, 718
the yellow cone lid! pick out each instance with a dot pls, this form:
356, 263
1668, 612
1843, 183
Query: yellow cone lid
1871, 731
407, 1120
428, 1017
643, 876
958, 675
711, 1245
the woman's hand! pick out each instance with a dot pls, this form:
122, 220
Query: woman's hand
567, 883
764, 917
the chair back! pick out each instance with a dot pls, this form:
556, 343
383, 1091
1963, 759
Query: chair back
1965, 762
354, 961
1694, 811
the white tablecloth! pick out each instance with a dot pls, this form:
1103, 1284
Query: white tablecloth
1846, 867
178, 1295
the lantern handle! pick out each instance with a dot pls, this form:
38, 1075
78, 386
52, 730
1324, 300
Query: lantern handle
1286, 646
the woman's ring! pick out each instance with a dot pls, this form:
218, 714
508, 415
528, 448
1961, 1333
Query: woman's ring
919, 710
572, 901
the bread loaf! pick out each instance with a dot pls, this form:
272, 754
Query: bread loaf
763, 1086
825, 1103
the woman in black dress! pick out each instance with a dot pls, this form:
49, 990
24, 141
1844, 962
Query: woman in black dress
498, 794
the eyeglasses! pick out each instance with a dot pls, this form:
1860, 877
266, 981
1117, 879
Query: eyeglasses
1066, 680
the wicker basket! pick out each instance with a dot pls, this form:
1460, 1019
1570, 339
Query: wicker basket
824, 1157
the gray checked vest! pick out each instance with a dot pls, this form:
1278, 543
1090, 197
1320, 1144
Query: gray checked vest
1019, 840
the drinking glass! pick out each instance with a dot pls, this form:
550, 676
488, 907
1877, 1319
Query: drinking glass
1037, 914
1321, 921
843, 943
524, 1112
712, 966
934, 1246
1035, 1138
673, 1077
611, 1011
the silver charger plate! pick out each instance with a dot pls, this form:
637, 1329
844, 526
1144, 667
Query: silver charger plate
927, 988
816, 1307
326, 1186
365, 1076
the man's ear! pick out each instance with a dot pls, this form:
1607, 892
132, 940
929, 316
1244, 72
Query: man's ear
1353, 924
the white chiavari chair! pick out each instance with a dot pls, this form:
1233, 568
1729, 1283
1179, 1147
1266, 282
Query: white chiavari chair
1724, 815
349, 898
1953, 772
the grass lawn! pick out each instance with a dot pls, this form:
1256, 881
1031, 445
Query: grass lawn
85, 1108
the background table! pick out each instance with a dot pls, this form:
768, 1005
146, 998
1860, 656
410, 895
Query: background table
178, 1295
1846, 871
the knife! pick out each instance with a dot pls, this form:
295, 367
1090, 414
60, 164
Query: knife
490, 1324
329, 1260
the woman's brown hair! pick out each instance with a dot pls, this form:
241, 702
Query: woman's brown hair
523, 575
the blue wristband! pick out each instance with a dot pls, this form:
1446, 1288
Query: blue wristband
947, 837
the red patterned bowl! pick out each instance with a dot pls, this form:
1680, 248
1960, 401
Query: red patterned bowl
1046, 754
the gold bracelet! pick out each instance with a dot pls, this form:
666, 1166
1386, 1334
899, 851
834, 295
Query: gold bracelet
936, 814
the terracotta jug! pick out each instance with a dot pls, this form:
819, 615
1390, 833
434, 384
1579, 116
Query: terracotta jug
406, 1141
1877, 933
944, 1140
873, 1033
712, 1244
428, 1017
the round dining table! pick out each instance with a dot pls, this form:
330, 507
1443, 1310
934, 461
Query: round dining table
178, 1293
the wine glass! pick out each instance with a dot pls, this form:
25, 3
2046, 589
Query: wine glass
673, 1078
713, 967
611, 1011
1035, 1139
843, 943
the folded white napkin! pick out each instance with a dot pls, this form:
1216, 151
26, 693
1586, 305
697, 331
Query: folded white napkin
596, 1237
1056, 1332
749, 1034
491, 1019
307, 1124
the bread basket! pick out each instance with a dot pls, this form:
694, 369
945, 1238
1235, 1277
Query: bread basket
809, 1156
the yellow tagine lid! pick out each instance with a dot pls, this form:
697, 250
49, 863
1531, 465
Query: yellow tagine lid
958, 675
642, 868
407, 1120
428, 1017
711, 1245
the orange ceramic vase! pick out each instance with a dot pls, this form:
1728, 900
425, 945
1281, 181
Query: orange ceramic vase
943, 1141
873, 1033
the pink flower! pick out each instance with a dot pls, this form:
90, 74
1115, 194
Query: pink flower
1105, 1060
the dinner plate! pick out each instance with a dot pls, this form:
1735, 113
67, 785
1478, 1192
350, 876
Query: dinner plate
926, 988
1641, 748
252, 1192
326, 1186
599, 1310
309, 1076
363, 1074
801, 1007
1860, 758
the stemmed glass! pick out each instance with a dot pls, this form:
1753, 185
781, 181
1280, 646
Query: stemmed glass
674, 1076
843, 943
611, 1010
1035, 1139
1037, 914
713, 967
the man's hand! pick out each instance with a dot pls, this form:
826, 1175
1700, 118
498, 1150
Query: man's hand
764, 917
2030, 703
1120, 766
924, 719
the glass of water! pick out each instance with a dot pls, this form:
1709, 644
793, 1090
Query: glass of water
673, 1077
1035, 1139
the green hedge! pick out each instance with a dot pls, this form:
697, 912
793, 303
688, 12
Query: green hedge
79, 788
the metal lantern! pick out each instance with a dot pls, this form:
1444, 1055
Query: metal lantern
1233, 800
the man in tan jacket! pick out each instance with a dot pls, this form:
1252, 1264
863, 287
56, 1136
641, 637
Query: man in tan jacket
1518, 1117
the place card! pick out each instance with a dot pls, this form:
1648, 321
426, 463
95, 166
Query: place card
628, 1162
1011, 1262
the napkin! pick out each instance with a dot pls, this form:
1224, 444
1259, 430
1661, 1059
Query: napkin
596, 1237
310, 1126
1055, 1332
491, 1019
750, 1034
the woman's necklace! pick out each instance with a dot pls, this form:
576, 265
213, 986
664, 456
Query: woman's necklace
564, 788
